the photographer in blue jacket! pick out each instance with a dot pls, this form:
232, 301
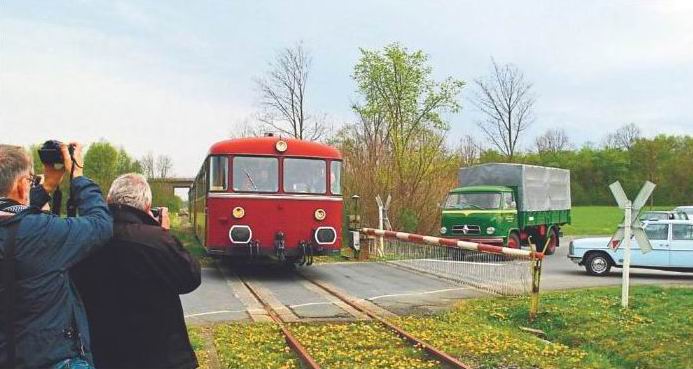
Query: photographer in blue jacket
42, 320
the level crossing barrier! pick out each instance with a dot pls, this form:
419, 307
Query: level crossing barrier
494, 269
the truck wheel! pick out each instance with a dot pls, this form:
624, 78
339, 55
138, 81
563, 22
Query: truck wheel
553, 241
514, 241
598, 264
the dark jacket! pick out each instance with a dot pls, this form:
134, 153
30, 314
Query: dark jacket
50, 323
130, 290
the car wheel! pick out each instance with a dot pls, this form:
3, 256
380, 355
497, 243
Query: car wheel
514, 241
598, 264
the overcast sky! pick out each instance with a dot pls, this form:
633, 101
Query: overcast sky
172, 77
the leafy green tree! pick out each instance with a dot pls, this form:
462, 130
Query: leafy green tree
101, 164
398, 141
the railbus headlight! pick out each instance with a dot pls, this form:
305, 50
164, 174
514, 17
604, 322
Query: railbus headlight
443, 230
490, 230
325, 236
281, 146
238, 212
320, 214
240, 234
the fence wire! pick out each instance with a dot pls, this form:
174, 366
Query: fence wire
488, 272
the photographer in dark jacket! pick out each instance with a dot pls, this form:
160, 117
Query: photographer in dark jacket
131, 287
41, 313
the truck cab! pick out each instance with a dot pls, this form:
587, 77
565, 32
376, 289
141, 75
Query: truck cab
485, 214
508, 204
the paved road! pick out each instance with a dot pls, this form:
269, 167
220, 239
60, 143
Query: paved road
223, 297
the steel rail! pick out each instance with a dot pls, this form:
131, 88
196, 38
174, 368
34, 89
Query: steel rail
290, 339
432, 350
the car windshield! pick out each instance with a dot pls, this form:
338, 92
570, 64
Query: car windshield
653, 215
473, 200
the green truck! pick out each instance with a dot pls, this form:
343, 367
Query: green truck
506, 204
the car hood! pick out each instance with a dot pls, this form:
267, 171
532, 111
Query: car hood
592, 243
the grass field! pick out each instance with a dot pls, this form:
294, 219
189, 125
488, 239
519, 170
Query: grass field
583, 328
598, 220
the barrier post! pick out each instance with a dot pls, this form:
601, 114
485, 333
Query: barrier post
534, 302
536, 278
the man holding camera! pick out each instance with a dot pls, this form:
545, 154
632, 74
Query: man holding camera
131, 287
43, 320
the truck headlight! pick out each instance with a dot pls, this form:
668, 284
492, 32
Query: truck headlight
443, 230
490, 230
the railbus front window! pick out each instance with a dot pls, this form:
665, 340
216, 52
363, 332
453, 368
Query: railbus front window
255, 174
218, 173
305, 176
336, 178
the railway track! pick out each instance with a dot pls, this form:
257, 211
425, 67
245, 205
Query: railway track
434, 352
291, 340
359, 306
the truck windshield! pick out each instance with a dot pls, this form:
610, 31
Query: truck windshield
475, 200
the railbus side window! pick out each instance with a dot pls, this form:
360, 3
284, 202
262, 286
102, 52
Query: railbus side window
218, 173
305, 176
255, 174
336, 178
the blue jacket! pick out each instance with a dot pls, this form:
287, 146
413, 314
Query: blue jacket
51, 323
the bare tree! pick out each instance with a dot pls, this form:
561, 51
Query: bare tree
553, 140
283, 96
506, 101
148, 165
245, 128
164, 164
623, 138
468, 151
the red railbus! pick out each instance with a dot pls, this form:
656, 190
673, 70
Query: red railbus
269, 196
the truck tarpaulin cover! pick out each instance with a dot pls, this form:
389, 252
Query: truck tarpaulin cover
539, 188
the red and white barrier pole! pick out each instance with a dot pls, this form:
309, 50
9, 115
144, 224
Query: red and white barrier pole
449, 242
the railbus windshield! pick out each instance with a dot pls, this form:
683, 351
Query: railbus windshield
255, 174
305, 176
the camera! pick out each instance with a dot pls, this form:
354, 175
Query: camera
157, 213
51, 154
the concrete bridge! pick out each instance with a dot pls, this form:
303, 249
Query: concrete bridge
168, 185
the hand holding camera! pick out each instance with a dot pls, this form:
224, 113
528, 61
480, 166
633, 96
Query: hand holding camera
161, 215
58, 159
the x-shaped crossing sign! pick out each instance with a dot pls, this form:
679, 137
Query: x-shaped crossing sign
634, 221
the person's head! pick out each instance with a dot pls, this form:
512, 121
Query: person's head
15, 173
131, 189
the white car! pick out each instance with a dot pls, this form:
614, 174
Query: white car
672, 249
685, 209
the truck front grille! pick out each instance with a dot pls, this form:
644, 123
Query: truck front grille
466, 229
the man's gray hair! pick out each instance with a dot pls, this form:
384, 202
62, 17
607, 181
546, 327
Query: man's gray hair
131, 189
14, 161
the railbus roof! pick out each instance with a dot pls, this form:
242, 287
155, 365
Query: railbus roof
267, 146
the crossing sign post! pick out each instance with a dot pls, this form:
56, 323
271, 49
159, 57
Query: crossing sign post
631, 226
